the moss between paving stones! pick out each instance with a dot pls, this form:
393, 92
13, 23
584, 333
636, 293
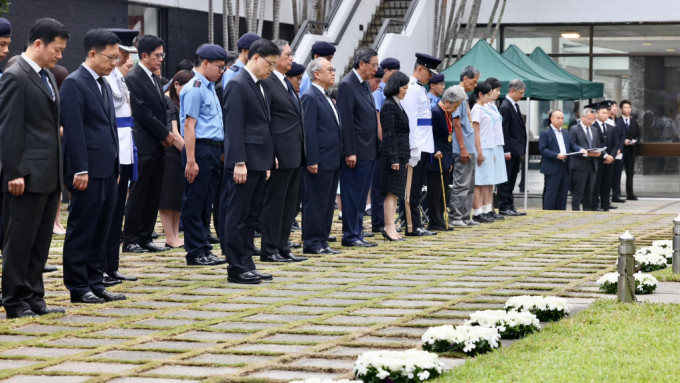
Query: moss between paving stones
411, 260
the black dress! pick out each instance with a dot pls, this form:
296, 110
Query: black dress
173, 173
395, 147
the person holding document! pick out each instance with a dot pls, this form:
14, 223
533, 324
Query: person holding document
555, 145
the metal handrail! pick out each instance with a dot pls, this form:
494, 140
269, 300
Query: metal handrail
409, 11
385, 27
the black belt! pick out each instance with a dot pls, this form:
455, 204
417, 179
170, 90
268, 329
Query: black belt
209, 142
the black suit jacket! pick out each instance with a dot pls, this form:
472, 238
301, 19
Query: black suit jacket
578, 137
514, 130
286, 125
322, 131
358, 119
90, 131
550, 149
149, 110
610, 139
440, 132
395, 127
30, 144
633, 133
247, 121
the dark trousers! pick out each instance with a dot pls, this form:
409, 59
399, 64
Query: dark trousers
506, 201
354, 186
417, 182
435, 200
141, 209
87, 232
113, 242
197, 198
318, 207
556, 189
629, 166
279, 208
377, 198
28, 222
603, 185
616, 179
584, 181
217, 197
239, 224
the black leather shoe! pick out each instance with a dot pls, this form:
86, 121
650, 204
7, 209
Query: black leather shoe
482, 218
151, 247
292, 257
199, 261
109, 296
263, 276
49, 269
332, 251
358, 243
632, 198
331, 238
108, 281
314, 251
21, 314
294, 245
215, 259
276, 257
155, 235
88, 297
117, 275
134, 248
426, 232
415, 233
519, 213
212, 239
367, 234
509, 213
439, 228
598, 209
495, 216
612, 207
46, 311
618, 200
247, 278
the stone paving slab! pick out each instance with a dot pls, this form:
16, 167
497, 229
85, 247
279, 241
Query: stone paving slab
91, 367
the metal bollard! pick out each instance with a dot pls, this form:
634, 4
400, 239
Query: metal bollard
626, 268
676, 245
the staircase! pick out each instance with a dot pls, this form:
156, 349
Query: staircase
388, 9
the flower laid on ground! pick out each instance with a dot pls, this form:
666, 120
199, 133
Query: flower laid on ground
650, 261
546, 309
644, 283
663, 248
510, 324
664, 244
317, 380
397, 366
471, 340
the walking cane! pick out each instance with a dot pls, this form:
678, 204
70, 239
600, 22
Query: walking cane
441, 176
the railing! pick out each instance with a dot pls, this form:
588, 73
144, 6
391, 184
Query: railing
394, 25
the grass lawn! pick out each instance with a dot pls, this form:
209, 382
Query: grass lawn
609, 342
666, 275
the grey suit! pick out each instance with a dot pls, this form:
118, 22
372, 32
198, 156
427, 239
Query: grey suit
583, 169
30, 147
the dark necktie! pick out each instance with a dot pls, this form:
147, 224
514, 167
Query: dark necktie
589, 137
518, 112
292, 94
368, 90
627, 124
105, 96
604, 131
43, 75
158, 86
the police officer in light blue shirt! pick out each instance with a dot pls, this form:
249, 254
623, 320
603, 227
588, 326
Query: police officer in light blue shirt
319, 49
243, 44
5, 40
389, 66
201, 125
437, 87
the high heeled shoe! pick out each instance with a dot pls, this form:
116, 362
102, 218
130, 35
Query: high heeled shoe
386, 237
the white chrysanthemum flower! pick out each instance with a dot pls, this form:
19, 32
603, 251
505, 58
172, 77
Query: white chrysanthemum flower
664, 244
404, 363
646, 279
530, 302
608, 278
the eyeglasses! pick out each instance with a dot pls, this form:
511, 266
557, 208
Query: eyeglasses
111, 58
375, 66
288, 54
220, 68
271, 63
159, 55
331, 69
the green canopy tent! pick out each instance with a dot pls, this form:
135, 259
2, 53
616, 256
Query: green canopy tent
565, 89
491, 64
588, 89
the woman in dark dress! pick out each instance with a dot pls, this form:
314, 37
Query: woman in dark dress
395, 149
170, 204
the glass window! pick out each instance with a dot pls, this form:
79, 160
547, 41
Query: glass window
143, 19
636, 39
552, 39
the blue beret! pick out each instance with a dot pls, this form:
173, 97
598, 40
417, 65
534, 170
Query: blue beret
390, 63
295, 70
429, 62
127, 38
323, 48
245, 41
379, 73
211, 52
5, 28
437, 78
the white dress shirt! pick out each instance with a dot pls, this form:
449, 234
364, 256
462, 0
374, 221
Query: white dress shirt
560, 139
323, 91
281, 78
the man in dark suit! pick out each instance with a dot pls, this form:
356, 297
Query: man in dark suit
359, 132
323, 153
554, 144
5, 40
30, 147
584, 169
91, 168
249, 153
283, 186
151, 135
515, 138
620, 131
605, 171
630, 138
